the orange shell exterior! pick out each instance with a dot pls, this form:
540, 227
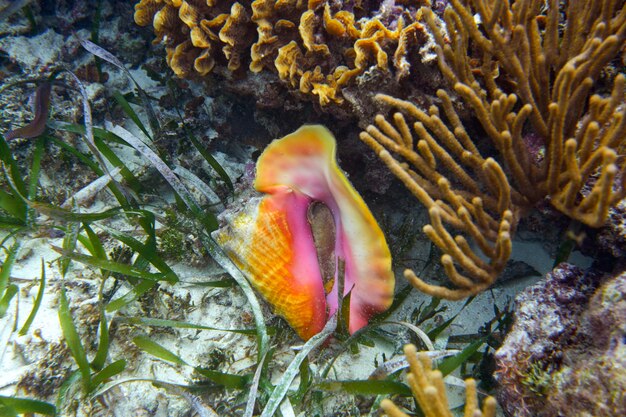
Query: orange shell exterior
262, 245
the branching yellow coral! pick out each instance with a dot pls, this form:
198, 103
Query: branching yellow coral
444, 175
314, 47
429, 391
534, 52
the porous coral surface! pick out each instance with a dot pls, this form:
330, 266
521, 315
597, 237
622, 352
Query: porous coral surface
315, 48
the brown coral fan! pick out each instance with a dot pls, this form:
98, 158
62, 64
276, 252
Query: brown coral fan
316, 47
535, 77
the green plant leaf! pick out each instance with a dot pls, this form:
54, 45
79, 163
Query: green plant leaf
82, 157
434, 333
112, 157
148, 251
68, 216
95, 246
154, 349
567, 245
212, 161
103, 344
94, 166
69, 245
112, 266
224, 379
80, 130
7, 265
95, 35
7, 411
72, 339
343, 323
68, 389
126, 107
26, 405
10, 222
8, 295
179, 324
305, 379
13, 205
7, 157
95, 26
218, 283
448, 365
109, 371
37, 302
138, 290
35, 168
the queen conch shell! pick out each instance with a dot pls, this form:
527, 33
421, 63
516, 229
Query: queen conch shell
288, 240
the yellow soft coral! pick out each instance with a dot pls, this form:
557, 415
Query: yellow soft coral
535, 78
430, 393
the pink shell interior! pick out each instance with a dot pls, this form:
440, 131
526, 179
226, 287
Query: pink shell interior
304, 163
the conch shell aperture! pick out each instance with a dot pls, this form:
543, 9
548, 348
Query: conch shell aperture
287, 241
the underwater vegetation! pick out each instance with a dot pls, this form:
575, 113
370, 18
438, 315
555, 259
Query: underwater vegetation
485, 111
125, 319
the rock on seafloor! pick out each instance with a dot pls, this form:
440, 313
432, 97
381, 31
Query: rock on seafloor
566, 352
612, 237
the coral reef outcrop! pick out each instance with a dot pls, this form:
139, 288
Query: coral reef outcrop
554, 118
612, 237
566, 352
316, 48
531, 112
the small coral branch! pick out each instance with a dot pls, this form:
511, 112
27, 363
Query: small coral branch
532, 51
429, 391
